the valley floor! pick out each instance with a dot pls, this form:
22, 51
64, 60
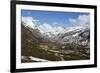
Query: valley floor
54, 55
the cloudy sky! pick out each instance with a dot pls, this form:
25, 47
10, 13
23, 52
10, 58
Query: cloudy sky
63, 19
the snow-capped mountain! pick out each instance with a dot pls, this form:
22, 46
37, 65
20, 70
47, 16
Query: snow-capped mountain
29, 22
59, 34
80, 36
45, 42
45, 29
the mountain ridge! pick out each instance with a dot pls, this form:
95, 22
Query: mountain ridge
69, 44
58, 34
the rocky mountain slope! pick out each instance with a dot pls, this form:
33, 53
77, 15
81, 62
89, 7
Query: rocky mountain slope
54, 43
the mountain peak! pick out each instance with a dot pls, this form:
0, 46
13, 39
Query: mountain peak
29, 22
47, 30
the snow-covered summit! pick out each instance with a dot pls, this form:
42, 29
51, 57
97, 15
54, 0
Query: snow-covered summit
56, 32
29, 22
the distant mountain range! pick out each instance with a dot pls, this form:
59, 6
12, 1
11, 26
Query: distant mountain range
44, 42
77, 34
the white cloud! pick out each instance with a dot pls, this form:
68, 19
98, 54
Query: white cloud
72, 20
29, 21
59, 29
54, 23
49, 29
44, 28
82, 21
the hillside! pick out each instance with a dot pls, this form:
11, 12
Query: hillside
55, 45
